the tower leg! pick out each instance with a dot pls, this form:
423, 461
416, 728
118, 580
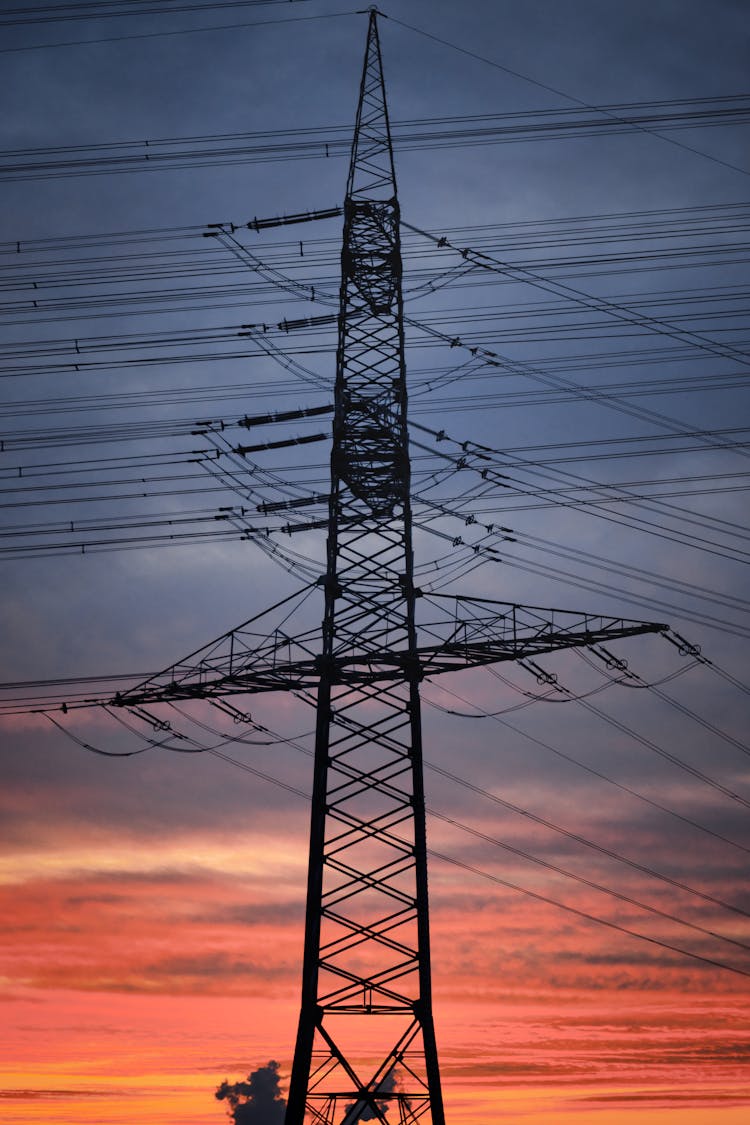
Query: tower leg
366, 1042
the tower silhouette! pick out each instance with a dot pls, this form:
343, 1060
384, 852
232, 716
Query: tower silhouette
366, 1047
367, 945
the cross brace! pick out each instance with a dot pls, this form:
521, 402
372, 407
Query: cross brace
240, 662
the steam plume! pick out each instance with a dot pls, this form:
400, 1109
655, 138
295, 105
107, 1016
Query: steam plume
256, 1101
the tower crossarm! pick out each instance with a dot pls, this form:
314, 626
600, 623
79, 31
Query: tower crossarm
243, 664
473, 644
508, 644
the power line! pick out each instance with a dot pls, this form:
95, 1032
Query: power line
64, 13
332, 141
193, 747
163, 34
569, 97
641, 797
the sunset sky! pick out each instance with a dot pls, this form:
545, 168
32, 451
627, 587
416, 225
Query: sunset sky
589, 846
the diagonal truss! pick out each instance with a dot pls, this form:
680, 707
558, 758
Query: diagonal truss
366, 1048
461, 632
366, 1042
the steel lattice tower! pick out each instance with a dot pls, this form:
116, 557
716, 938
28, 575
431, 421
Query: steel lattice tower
365, 1045
367, 946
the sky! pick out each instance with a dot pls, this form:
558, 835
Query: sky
578, 399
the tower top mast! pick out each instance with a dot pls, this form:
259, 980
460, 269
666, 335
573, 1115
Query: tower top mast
371, 170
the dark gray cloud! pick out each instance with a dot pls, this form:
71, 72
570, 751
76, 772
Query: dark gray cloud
256, 1101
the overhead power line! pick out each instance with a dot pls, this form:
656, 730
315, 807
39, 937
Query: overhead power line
111, 9
333, 141
175, 31
606, 111
189, 745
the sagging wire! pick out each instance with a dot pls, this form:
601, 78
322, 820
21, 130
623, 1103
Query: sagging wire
575, 837
463, 568
528, 856
627, 677
611, 493
88, 746
568, 874
292, 365
291, 561
562, 575
192, 745
227, 453
635, 681
157, 725
592, 884
268, 273
589, 301
293, 741
631, 680
485, 714
602, 776
443, 279
252, 724
531, 858
581, 913
667, 755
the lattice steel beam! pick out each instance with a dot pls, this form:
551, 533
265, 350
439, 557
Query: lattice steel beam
366, 1043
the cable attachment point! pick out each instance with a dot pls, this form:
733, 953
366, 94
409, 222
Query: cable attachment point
541, 674
685, 648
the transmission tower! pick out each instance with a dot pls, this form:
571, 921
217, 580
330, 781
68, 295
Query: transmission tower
366, 1047
367, 942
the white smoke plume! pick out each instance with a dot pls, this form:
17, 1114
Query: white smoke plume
358, 1111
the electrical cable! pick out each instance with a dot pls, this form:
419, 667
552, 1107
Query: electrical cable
568, 97
590, 883
64, 13
597, 773
577, 838
163, 34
